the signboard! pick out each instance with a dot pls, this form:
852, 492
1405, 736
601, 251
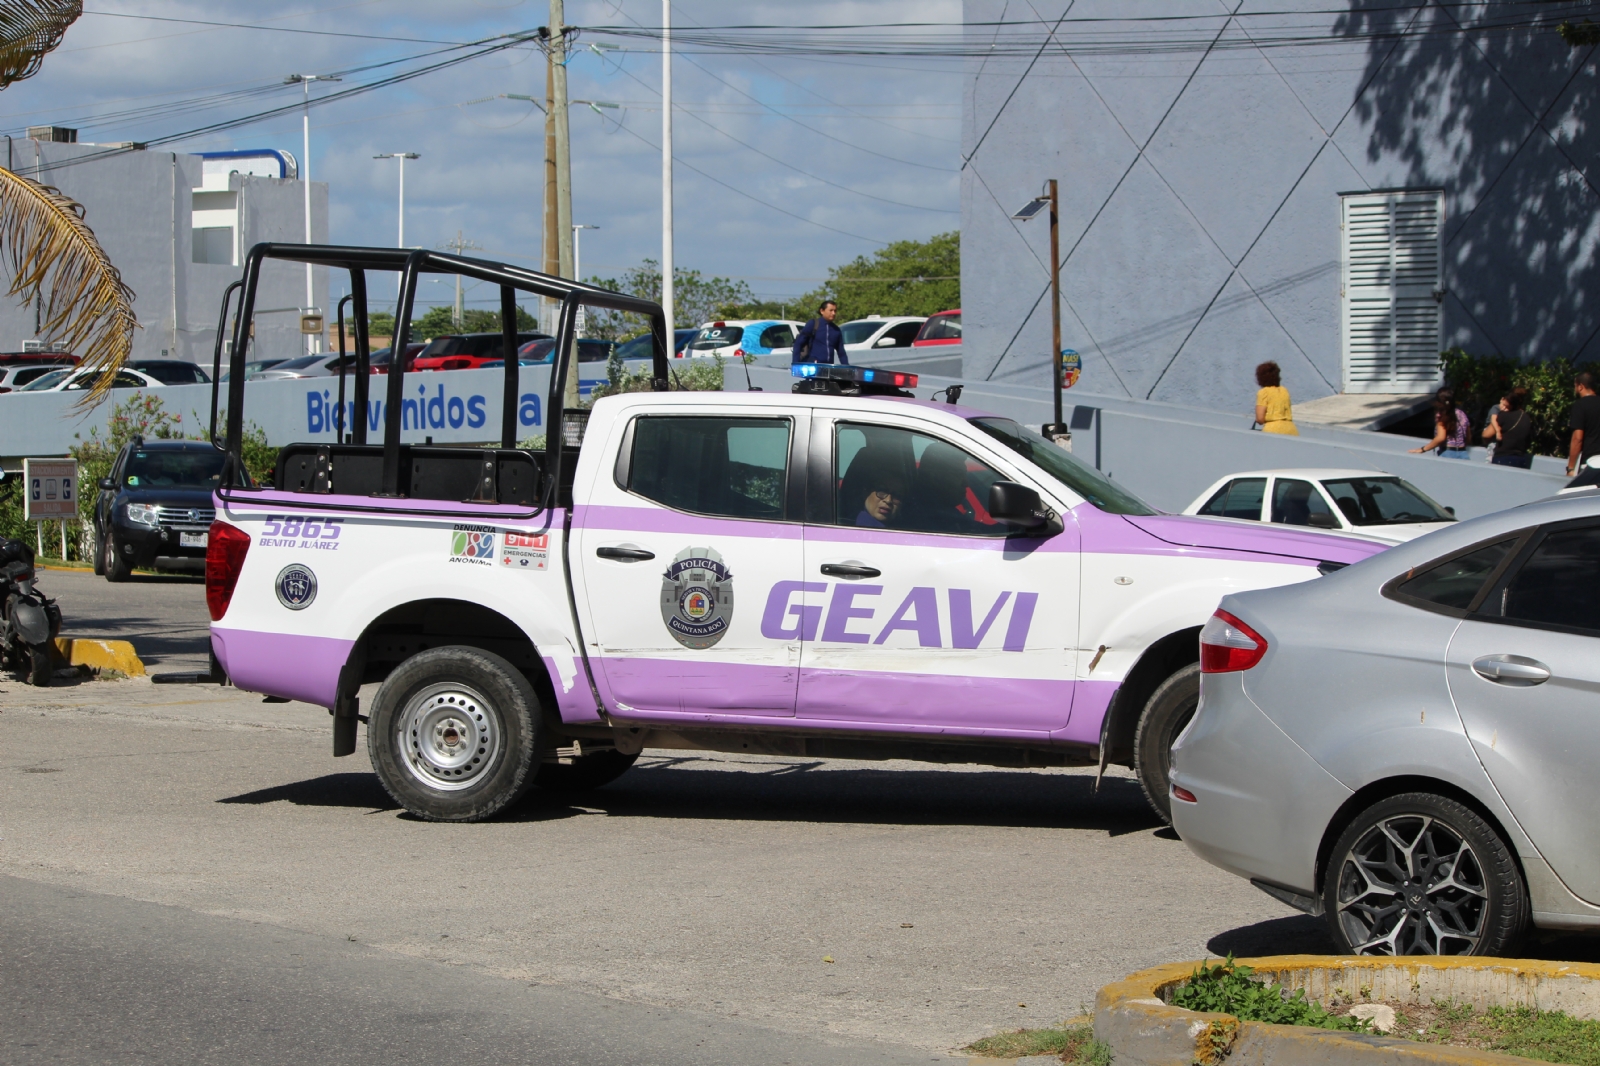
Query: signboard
52, 489
1071, 367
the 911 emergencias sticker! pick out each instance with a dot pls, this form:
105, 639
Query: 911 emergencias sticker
525, 551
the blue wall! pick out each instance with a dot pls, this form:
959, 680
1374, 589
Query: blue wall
1201, 166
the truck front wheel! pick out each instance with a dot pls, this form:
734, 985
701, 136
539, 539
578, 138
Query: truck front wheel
454, 734
1165, 714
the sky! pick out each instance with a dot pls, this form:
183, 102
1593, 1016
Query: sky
767, 134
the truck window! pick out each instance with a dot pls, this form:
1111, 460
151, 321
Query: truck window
900, 479
727, 467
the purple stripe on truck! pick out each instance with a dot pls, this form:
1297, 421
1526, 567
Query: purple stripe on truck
283, 664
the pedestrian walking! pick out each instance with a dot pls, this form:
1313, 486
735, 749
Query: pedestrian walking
1274, 413
1584, 422
1509, 430
819, 338
1450, 427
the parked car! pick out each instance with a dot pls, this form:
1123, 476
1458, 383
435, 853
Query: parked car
14, 376
38, 359
254, 366
942, 328
378, 362
75, 380
1368, 502
1407, 747
641, 346
172, 371
155, 508
737, 339
468, 351
875, 333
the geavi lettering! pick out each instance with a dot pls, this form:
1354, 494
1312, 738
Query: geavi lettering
851, 613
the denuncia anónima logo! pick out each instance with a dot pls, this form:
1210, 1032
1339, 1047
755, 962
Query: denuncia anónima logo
472, 544
697, 598
296, 586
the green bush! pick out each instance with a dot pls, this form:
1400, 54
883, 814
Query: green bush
1229, 988
1480, 380
692, 375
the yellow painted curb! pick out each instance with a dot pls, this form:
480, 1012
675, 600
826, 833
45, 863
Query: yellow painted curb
68, 566
1133, 1016
100, 654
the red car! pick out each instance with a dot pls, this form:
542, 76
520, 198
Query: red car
942, 328
466, 351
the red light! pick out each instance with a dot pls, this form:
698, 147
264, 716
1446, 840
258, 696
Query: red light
1227, 644
718, 325
1183, 794
738, 353
225, 551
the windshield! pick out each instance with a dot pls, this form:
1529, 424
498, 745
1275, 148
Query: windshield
1384, 501
716, 337
859, 332
1066, 468
941, 328
49, 381
641, 347
300, 363
172, 372
175, 470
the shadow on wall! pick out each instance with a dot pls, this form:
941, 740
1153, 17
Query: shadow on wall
1495, 108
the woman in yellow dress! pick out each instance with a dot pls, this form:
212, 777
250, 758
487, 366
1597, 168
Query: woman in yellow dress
1273, 410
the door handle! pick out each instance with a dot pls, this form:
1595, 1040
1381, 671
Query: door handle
625, 555
1517, 670
849, 571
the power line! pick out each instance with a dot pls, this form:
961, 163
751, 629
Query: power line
272, 29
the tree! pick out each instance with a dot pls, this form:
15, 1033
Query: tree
695, 298
906, 278
54, 257
440, 321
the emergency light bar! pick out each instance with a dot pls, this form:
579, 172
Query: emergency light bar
854, 375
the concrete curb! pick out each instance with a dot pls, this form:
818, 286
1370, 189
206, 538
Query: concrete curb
67, 566
100, 654
1132, 1015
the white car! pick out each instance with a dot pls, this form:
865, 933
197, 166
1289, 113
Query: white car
14, 376
1367, 502
74, 380
876, 333
735, 339
320, 365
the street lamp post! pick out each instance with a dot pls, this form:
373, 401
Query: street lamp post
304, 81
402, 156
1048, 199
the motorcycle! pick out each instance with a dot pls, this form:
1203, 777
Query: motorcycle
29, 621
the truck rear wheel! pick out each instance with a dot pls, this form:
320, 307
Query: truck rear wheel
1165, 714
454, 734
584, 773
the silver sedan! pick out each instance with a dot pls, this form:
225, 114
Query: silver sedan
1408, 746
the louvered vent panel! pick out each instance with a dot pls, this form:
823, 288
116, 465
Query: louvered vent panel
1390, 271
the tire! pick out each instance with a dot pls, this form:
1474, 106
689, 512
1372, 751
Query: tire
585, 773
99, 555
1419, 874
455, 734
40, 669
1165, 714
115, 566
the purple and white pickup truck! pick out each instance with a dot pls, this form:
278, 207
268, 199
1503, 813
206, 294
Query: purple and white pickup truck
823, 574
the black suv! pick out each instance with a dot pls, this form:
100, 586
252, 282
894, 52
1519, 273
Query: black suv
155, 509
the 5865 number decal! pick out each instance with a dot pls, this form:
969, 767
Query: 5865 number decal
291, 531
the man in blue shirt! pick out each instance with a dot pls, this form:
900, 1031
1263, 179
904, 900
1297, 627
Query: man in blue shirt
820, 338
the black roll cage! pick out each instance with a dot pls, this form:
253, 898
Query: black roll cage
411, 264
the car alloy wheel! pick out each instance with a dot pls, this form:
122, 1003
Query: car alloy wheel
1423, 875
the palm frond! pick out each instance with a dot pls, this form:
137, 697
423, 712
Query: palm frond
28, 30
53, 256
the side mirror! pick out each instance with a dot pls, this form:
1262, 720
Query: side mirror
884, 342
108, 484
1452, 510
1323, 521
1021, 506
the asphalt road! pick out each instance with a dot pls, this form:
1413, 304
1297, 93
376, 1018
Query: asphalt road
164, 616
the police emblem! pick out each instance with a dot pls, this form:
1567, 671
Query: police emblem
697, 598
296, 586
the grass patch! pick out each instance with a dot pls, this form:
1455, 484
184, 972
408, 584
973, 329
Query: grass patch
1229, 988
1550, 1036
1071, 1043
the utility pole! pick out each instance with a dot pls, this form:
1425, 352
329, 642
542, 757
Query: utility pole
460, 246
666, 174
1055, 430
402, 157
304, 80
552, 246
558, 109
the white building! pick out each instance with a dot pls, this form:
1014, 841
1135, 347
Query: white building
178, 226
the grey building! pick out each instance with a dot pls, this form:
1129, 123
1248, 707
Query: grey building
1345, 188
177, 227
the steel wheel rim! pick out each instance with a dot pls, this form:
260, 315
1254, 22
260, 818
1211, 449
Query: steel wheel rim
450, 736
1412, 885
